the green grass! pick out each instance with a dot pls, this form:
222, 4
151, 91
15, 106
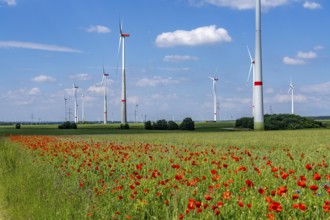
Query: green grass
137, 128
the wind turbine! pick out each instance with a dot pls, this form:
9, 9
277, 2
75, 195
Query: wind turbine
65, 112
252, 69
258, 91
75, 87
104, 82
291, 88
122, 37
82, 108
214, 80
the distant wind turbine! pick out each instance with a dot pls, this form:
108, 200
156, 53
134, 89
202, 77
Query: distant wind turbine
65, 111
122, 37
75, 87
291, 88
252, 69
82, 108
258, 90
214, 80
104, 82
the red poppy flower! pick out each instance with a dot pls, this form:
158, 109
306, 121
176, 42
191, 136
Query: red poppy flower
240, 203
301, 183
295, 196
275, 206
213, 171
284, 175
313, 187
302, 207
261, 191
216, 211
249, 183
208, 197
181, 216
308, 167
326, 206
316, 176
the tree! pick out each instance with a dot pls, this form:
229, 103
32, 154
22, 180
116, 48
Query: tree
187, 124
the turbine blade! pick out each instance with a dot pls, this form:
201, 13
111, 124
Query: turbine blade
249, 54
119, 45
120, 27
251, 66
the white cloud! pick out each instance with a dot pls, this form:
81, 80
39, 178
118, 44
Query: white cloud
96, 89
269, 90
98, 29
318, 47
199, 36
322, 88
284, 98
80, 77
306, 55
10, 2
300, 58
179, 58
156, 81
43, 78
312, 5
34, 91
241, 4
36, 46
293, 61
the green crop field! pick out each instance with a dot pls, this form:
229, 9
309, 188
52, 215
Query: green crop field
214, 172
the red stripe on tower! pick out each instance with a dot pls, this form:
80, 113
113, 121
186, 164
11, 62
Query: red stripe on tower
258, 83
123, 100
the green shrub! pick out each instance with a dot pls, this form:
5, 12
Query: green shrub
280, 122
187, 124
172, 125
68, 125
18, 126
124, 126
160, 125
148, 125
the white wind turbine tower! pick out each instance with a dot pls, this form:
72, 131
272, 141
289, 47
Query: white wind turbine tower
75, 87
123, 92
253, 76
258, 91
214, 80
104, 82
291, 88
82, 108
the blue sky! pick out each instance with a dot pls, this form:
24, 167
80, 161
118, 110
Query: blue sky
173, 48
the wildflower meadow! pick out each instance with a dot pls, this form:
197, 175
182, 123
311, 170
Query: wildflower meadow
179, 179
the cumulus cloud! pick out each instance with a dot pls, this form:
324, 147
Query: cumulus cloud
97, 29
300, 58
306, 55
43, 78
96, 89
156, 81
321, 88
80, 77
318, 47
34, 91
199, 36
312, 5
293, 61
240, 4
284, 98
10, 2
36, 46
179, 58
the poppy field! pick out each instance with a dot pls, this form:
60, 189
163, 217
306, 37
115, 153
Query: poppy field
186, 177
